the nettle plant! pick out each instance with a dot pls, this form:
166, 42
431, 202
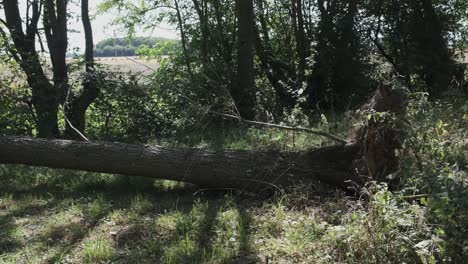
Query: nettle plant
437, 167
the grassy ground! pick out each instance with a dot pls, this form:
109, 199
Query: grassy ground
59, 216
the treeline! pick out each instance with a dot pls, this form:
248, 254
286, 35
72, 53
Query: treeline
281, 61
315, 56
126, 46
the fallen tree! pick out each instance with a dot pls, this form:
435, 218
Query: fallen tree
369, 154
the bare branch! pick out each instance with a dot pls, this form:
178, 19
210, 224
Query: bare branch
31, 28
40, 41
64, 106
303, 129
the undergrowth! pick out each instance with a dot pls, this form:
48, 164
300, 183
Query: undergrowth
61, 216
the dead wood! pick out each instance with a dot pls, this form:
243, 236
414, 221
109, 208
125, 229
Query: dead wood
369, 155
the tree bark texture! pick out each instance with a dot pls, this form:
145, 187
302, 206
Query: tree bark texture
243, 92
44, 95
302, 49
233, 169
55, 28
76, 109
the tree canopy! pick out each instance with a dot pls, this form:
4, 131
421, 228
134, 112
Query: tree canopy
126, 46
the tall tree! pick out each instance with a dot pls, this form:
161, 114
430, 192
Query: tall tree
201, 9
55, 28
273, 68
414, 37
76, 110
302, 48
244, 90
183, 37
45, 97
48, 96
339, 69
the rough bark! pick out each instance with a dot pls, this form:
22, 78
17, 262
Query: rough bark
238, 169
243, 92
76, 110
55, 28
204, 28
302, 50
44, 95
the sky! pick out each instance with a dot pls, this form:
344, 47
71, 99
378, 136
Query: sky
101, 24
102, 27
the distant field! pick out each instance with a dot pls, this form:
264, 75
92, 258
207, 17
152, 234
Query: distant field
134, 65
129, 64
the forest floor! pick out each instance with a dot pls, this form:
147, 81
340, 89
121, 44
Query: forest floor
61, 216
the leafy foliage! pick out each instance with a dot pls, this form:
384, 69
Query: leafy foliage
129, 46
308, 73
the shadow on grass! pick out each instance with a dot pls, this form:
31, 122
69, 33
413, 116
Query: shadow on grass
10, 238
181, 239
9, 242
191, 240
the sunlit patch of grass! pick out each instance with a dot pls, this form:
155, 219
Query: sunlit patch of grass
166, 185
31, 201
229, 238
168, 222
11, 235
194, 221
63, 233
97, 208
273, 227
182, 251
10, 259
28, 255
140, 204
99, 250
6, 201
122, 216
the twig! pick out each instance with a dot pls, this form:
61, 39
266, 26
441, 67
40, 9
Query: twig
216, 189
413, 197
262, 182
303, 129
66, 118
419, 196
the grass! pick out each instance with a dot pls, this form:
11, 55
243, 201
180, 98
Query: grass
60, 216
99, 250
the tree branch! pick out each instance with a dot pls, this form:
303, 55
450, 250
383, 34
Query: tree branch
31, 28
382, 49
303, 129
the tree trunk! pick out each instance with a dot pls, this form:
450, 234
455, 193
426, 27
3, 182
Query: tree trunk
233, 169
277, 75
44, 95
76, 111
204, 28
371, 152
302, 50
55, 28
243, 92
437, 64
183, 38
